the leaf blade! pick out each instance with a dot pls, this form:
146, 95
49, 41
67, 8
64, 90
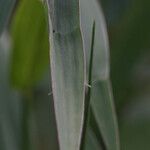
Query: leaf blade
101, 92
67, 70
103, 109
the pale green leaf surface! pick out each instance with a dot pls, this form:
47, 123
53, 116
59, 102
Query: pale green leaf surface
67, 70
91, 11
103, 109
101, 99
5, 11
30, 44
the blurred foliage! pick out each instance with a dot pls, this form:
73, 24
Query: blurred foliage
6, 7
10, 104
135, 128
129, 42
30, 44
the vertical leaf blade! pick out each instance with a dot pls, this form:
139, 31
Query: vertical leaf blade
103, 110
67, 70
101, 95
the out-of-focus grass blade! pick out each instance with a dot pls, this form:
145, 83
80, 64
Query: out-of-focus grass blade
10, 103
5, 11
130, 42
30, 43
101, 98
43, 122
67, 69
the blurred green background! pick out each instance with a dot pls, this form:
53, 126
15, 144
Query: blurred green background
26, 107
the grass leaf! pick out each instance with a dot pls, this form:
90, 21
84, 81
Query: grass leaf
67, 70
101, 98
103, 110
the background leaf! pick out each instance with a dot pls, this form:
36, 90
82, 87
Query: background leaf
30, 44
5, 11
129, 43
10, 104
67, 70
135, 124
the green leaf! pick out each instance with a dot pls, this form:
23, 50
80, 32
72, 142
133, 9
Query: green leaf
67, 70
30, 44
92, 142
103, 110
101, 98
101, 46
5, 11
